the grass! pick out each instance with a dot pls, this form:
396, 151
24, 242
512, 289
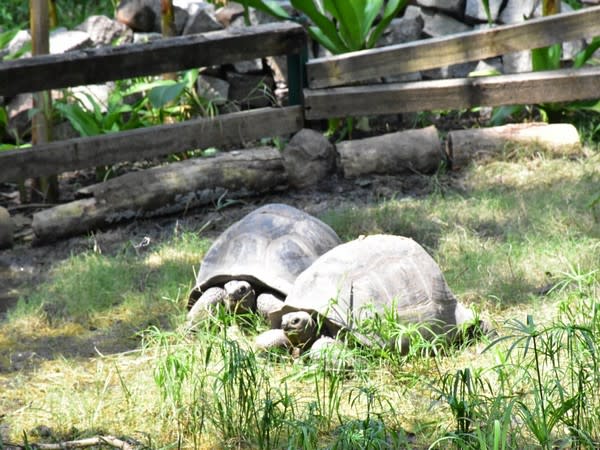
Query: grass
502, 232
15, 13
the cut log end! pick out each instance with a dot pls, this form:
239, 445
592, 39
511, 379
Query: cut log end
509, 141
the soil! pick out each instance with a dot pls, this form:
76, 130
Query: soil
28, 263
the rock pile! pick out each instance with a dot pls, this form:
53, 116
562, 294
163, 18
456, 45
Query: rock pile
262, 82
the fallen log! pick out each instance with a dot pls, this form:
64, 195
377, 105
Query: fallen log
111, 441
463, 146
393, 153
164, 190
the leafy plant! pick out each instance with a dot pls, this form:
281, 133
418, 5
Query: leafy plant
341, 26
549, 58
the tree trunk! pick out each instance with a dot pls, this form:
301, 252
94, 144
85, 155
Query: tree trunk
405, 151
42, 188
167, 21
172, 188
463, 146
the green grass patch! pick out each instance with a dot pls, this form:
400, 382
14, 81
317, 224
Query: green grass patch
517, 240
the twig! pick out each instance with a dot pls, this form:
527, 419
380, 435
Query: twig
80, 443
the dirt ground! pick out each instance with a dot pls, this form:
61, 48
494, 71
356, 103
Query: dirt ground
28, 262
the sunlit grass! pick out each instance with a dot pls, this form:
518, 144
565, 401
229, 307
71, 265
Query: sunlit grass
518, 240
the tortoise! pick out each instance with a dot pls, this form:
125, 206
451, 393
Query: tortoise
357, 280
254, 263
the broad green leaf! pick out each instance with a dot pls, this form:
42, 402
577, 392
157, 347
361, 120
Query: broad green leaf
190, 77
4, 147
16, 55
501, 115
349, 21
3, 117
371, 10
585, 105
583, 56
321, 38
392, 9
486, 8
159, 96
82, 120
7, 36
546, 58
327, 28
144, 86
267, 6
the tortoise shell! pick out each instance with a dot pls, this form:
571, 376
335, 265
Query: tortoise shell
269, 248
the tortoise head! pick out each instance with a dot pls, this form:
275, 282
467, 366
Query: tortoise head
299, 327
240, 296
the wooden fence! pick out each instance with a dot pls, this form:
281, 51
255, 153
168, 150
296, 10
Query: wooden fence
324, 97
167, 55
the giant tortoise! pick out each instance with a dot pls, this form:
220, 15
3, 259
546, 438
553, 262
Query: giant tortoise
254, 263
358, 280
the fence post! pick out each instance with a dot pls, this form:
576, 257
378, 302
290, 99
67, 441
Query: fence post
296, 64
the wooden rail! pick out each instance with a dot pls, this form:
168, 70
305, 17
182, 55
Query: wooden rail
161, 56
225, 130
454, 49
536, 87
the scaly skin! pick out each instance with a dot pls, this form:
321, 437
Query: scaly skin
300, 328
239, 297
209, 300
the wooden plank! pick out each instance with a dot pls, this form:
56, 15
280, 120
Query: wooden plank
536, 87
454, 49
134, 145
162, 56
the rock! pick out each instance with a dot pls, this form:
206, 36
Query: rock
491, 66
64, 130
517, 11
404, 29
248, 66
250, 91
181, 19
453, 7
403, 78
18, 115
201, 21
106, 31
18, 110
454, 71
279, 69
6, 229
18, 41
228, 13
571, 48
517, 62
436, 24
308, 158
191, 4
144, 15
63, 40
139, 15
213, 89
142, 38
475, 11
99, 94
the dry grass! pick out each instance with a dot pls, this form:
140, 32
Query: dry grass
500, 231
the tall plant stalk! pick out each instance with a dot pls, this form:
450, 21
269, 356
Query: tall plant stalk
43, 188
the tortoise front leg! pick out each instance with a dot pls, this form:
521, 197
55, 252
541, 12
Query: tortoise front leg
210, 299
266, 303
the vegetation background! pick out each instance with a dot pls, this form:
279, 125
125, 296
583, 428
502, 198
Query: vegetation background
98, 347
